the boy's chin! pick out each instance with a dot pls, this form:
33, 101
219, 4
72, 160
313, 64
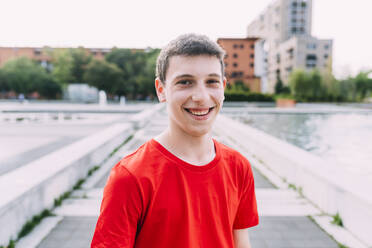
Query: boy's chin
199, 133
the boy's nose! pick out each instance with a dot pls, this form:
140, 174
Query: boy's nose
199, 94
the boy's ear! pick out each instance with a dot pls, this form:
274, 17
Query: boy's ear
160, 90
224, 86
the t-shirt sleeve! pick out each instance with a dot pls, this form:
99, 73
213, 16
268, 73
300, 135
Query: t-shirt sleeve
247, 215
120, 211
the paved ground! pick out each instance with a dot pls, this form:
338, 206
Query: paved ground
23, 142
283, 221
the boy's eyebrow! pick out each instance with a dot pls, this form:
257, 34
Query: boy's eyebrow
214, 75
183, 76
189, 75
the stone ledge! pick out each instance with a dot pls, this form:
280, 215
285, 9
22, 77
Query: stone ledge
331, 187
28, 190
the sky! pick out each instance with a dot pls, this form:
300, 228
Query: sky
141, 24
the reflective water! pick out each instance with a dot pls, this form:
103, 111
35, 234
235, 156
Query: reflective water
345, 138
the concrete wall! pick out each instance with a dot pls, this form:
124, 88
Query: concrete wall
331, 187
30, 189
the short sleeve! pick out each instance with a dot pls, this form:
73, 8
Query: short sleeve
247, 215
120, 211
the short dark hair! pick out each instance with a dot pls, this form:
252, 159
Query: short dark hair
188, 45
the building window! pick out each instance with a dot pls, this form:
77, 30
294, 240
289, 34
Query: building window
226, 56
277, 73
252, 46
278, 58
294, 30
251, 65
235, 45
326, 56
290, 53
234, 74
226, 64
311, 46
241, 46
235, 55
311, 60
326, 46
294, 4
303, 4
37, 52
235, 65
251, 56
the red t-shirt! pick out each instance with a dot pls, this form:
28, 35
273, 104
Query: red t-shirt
154, 199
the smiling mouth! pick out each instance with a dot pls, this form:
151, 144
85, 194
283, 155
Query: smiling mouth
199, 112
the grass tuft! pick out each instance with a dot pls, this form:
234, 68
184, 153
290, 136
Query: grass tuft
78, 184
30, 225
337, 220
292, 186
90, 172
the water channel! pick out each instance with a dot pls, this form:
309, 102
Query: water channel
345, 138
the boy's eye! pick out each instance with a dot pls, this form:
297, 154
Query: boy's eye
212, 81
184, 82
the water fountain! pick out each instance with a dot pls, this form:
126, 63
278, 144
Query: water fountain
122, 100
102, 98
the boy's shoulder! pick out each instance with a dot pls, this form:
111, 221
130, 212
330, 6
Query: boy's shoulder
143, 155
231, 154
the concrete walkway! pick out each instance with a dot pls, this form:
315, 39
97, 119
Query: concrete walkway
283, 212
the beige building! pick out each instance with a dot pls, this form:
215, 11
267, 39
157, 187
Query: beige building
285, 30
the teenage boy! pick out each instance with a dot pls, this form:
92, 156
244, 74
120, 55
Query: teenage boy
182, 189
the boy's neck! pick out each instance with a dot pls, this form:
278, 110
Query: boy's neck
194, 150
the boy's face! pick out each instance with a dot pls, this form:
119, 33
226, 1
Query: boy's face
194, 92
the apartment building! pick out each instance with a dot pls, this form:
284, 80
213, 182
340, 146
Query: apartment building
240, 61
285, 30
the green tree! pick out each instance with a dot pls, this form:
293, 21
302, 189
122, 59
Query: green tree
80, 60
307, 86
280, 88
147, 78
298, 82
237, 87
330, 86
26, 76
106, 76
363, 85
62, 66
316, 89
138, 69
4, 85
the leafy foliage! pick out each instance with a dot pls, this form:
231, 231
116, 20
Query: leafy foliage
314, 86
106, 76
280, 88
25, 76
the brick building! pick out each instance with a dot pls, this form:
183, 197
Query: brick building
42, 54
239, 61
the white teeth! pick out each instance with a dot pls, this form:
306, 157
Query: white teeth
200, 112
